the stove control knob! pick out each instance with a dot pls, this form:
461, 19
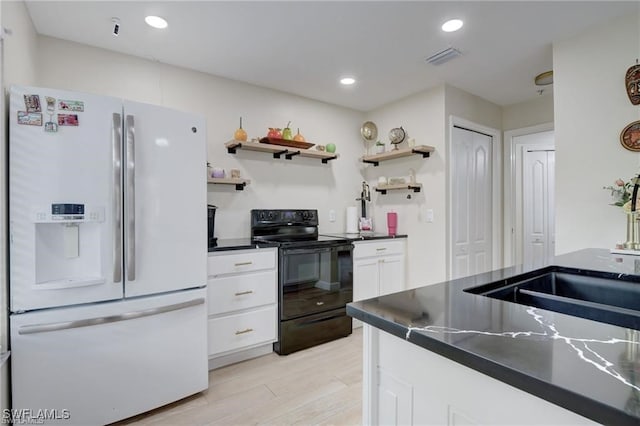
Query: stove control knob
271, 215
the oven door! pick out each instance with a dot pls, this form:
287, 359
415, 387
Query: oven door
315, 280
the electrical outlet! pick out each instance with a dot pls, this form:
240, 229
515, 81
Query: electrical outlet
429, 215
332, 215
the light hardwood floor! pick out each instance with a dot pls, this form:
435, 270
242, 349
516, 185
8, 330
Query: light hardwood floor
317, 386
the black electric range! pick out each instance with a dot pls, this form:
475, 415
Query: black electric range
315, 278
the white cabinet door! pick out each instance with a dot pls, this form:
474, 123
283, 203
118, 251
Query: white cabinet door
538, 207
391, 272
365, 279
166, 226
472, 202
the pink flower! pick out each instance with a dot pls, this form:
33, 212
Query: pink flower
619, 182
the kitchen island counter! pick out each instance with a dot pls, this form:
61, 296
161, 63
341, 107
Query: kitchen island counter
587, 367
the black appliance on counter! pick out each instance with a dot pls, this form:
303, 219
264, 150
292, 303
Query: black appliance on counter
315, 278
211, 222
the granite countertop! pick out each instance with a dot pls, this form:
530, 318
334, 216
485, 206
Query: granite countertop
588, 367
239, 244
364, 237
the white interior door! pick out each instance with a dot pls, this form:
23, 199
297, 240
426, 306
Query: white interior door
538, 207
165, 200
472, 199
529, 150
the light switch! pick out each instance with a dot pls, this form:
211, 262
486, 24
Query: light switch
332, 215
429, 215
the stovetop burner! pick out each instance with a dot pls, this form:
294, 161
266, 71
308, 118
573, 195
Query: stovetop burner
289, 228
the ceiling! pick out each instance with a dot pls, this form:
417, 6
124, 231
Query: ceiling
304, 47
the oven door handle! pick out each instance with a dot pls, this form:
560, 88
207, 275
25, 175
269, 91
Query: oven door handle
290, 251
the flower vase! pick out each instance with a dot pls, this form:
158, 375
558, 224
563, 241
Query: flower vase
633, 232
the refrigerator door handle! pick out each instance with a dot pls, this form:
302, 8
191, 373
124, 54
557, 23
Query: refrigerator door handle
66, 325
131, 197
116, 139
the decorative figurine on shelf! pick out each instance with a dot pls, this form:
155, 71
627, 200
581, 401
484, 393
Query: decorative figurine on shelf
240, 134
396, 136
287, 133
298, 137
274, 132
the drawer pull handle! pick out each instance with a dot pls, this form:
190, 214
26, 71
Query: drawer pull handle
241, 293
243, 263
246, 330
319, 303
381, 249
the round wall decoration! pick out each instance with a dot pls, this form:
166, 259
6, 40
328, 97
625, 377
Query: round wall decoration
630, 137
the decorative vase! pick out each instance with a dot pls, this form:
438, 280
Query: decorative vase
633, 232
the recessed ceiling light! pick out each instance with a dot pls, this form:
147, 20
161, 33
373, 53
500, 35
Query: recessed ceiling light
156, 22
452, 25
347, 81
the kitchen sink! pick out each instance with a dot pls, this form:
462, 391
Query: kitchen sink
597, 296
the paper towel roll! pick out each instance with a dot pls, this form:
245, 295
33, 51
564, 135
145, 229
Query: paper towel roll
352, 220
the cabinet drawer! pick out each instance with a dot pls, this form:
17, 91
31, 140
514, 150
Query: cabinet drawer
235, 292
241, 261
377, 248
238, 331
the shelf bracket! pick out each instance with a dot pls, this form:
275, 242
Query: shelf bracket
240, 186
326, 160
424, 154
375, 163
415, 188
290, 155
279, 153
382, 191
232, 149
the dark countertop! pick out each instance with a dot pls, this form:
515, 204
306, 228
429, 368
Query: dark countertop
588, 367
246, 243
364, 237
239, 244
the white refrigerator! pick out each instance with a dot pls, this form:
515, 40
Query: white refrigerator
108, 252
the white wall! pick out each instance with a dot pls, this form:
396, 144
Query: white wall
591, 109
422, 117
472, 108
298, 183
528, 113
20, 44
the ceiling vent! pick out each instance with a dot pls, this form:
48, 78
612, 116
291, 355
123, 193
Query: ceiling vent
443, 56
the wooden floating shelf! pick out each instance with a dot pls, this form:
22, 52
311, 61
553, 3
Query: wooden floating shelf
239, 183
375, 159
415, 187
278, 150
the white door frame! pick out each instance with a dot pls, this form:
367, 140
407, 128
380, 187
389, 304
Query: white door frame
511, 239
496, 148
